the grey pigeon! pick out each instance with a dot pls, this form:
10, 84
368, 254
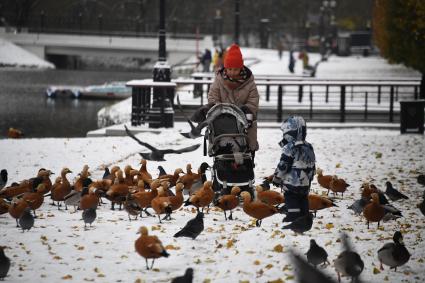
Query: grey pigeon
301, 224
348, 263
382, 198
392, 193
73, 199
421, 179
421, 205
26, 221
391, 209
186, 278
316, 254
193, 227
394, 254
195, 131
106, 173
358, 206
306, 273
158, 154
89, 215
161, 171
3, 178
4, 264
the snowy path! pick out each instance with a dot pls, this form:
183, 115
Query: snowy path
58, 249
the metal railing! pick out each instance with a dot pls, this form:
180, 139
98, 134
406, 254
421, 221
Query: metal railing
339, 97
321, 95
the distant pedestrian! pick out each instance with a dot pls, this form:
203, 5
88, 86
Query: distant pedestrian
218, 59
215, 59
206, 60
291, 61
280, 49
303, 55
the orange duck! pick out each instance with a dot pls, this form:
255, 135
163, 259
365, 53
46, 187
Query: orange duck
177, 200
117, 192
257, 209
323, 180
229, 202
149, 247
144, 199
27, 185
140, 186
374, 212
89, 198
112, 174
316, 202
144, 174
172, 178
269, 197
36, 198
17, 208
84, 174
4, 206
338, 185
165, 189
202, 198
130, 173
16, 189
198, 183
45, 176
13, 133
60, 190
162, 205
189, 178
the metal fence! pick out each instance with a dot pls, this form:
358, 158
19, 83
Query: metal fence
363, 97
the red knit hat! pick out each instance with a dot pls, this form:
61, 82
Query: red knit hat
233, 58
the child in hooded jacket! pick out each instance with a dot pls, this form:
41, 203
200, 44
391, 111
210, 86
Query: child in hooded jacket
296, 167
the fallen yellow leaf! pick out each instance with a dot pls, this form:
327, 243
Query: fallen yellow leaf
278, 248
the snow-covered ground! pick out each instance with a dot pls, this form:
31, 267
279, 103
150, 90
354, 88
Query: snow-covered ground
12, 55
58, 248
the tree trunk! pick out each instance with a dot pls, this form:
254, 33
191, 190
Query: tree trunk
422, 87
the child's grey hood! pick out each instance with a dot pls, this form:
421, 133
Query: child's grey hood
294, 129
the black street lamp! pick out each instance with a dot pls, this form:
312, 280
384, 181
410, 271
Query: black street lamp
218, 28
327, 27
307, 35
100, 23
42, 20
264, 33
237, 13
162, 97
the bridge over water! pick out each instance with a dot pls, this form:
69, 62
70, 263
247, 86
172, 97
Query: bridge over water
45, 45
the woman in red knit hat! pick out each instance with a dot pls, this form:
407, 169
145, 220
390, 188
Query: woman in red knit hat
234, 83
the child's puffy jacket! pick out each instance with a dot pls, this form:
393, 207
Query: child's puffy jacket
296, 167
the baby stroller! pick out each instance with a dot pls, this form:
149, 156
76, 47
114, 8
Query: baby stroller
228, 145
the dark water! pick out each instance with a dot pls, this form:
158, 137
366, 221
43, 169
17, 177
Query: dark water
23, 104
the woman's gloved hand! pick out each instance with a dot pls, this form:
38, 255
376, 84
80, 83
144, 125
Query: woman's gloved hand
248, 114
201, 113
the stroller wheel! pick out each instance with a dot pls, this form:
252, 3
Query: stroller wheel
216, 186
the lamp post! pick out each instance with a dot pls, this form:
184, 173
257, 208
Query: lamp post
162, 97
42, 19
307, 35
237, 13
264, 33
218, 27
327, 25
